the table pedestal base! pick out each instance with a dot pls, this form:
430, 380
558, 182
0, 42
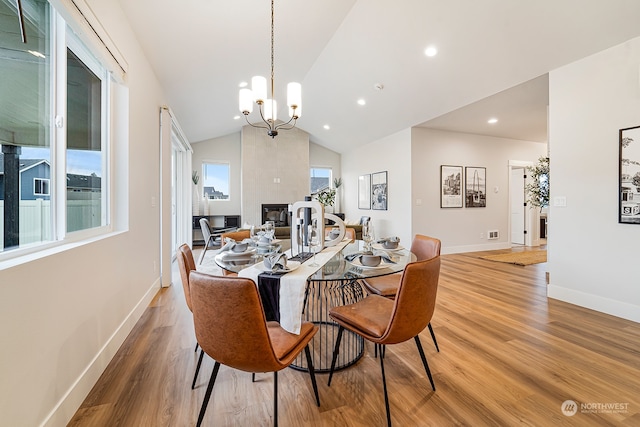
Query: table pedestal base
320, 296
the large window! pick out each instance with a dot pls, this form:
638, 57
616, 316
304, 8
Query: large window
215, 184
53, 129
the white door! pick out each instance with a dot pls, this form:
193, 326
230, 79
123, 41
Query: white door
517, 206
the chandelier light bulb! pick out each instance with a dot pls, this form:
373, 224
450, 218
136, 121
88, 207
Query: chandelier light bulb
259, 88
246, 101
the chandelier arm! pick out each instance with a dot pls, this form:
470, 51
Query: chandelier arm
246, 117
282, 125
269, 125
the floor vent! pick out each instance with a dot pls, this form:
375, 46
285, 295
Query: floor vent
493, 234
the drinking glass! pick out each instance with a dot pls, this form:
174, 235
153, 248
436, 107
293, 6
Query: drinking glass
367, 235
314, 241
269, 229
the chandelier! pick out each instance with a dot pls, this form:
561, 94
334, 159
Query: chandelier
268, 107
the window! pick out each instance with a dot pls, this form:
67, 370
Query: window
320, 178
215, 184
40, 187
54, 100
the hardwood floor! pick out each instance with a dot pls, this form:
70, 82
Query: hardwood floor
508, 356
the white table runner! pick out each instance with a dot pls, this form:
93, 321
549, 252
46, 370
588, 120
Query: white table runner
293, 285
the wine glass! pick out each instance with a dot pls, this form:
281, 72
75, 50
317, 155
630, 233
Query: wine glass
314, 241
367, 235
269, 229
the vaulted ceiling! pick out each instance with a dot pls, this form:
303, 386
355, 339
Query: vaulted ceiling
493, 59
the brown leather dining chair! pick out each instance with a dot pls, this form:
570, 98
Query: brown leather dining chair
424, 247
384, 321
238, 236
186, 265
231, 328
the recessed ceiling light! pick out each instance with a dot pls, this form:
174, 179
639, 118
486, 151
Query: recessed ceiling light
327, 127
361, 102
492, 121
243, 84
236, 117
431, 51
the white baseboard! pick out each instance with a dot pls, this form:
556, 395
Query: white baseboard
73, 398
595, 302
475, 248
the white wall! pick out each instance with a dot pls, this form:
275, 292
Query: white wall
592, 258
64, 316
391, 154
224, 149
460, 229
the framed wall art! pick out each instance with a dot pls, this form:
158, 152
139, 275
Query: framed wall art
364, 192
450, 186
629, 176
476, 187
379, 191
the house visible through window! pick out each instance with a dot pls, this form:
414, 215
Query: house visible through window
215, 184
320, 178
40, 187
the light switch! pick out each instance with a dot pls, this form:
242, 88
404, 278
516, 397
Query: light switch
418, 202
560, 201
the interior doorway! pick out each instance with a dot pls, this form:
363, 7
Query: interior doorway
518, 205
524, 229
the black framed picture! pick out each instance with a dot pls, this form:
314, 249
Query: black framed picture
450, 186
379, 190
629, 176
475, 187
364, 191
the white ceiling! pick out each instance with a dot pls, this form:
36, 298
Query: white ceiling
493, 59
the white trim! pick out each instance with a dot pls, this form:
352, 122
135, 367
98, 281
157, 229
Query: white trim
475, 248
83, 21
78, 391
595, 302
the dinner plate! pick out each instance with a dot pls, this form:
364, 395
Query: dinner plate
291, 265
379, 247
273, 242
356, 262
235, 255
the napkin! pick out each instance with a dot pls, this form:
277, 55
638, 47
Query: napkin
275, 262
230, 244
383, 256
386, 239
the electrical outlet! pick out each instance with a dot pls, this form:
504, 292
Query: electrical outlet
482, 235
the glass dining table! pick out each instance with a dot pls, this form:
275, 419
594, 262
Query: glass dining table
335, 283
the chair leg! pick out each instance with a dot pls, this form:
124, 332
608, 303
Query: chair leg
433, 337
384, 386
275, 399
195, 376
312, 372
253, 377
336, 350
424, 361
207, 395
197, 345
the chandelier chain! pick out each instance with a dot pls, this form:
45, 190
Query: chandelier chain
272, 55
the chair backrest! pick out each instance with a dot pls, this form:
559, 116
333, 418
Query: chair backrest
238, 236
415, 301
186, 264
230, 324
425, 247
206, 230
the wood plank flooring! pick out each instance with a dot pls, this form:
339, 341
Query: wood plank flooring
508, 356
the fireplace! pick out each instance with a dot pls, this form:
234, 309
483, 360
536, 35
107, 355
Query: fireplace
278, 213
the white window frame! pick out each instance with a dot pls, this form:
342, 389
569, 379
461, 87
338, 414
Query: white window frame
114, 98
217, 162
